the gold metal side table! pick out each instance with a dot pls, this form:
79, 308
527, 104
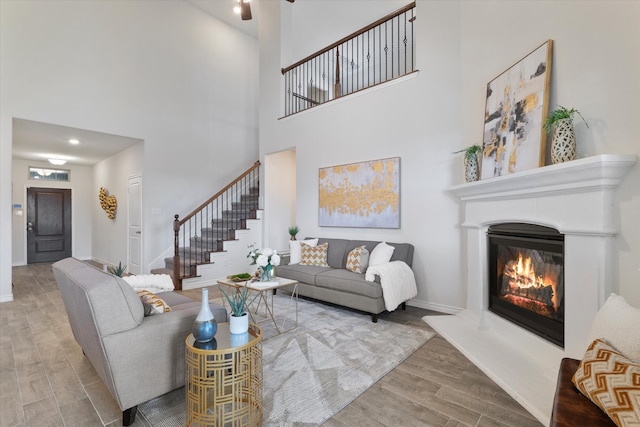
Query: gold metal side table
224, 379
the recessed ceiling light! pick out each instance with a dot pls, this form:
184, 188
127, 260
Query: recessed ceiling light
74, 141
57, 162
236, 9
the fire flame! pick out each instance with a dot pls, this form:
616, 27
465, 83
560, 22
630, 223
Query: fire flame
523, 276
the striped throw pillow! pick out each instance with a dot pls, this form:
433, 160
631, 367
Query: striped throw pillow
611, 381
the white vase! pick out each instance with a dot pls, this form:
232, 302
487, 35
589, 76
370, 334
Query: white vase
239, 324
563, 142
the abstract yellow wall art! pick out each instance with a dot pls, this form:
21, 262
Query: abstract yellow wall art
365, 194
516, 106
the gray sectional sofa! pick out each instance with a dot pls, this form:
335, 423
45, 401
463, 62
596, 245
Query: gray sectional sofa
337, 285
137, 357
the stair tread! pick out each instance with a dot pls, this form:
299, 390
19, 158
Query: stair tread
209, 240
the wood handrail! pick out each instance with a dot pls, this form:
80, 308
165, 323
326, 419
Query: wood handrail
219, 193
351, 36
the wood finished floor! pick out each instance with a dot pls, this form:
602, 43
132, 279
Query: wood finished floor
46, 381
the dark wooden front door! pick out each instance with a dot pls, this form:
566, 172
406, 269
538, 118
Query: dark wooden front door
48, 224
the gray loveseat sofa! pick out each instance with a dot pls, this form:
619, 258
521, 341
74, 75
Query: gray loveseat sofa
337, 285
138, 358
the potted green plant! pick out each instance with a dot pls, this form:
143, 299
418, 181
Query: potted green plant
293, 230
561, 113
119, 270
239, 320
563, 139
471, 162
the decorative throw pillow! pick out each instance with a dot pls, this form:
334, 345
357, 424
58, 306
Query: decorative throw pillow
295, 251
314, 255
358, 259
381, 254
157, 303
618, 323
611, 381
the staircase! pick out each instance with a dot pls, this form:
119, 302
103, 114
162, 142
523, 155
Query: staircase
213, 241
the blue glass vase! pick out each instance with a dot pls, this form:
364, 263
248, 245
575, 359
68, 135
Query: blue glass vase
267, 273
205, 326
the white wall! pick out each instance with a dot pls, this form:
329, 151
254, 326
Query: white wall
80, 180
110, 236
417, 120
461, 46
280, 198
595, 68
163, 72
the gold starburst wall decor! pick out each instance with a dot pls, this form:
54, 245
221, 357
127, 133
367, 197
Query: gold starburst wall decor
108, 203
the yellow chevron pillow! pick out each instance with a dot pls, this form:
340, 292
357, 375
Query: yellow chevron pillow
611, 381
314, 255
358, 259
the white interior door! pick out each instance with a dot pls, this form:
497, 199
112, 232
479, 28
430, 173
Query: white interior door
134, 220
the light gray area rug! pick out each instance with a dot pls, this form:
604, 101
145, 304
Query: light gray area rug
310, 373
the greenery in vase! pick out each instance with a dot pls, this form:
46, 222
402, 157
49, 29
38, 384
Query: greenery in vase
561, 113
119, 270
237, 301
470, 151
293, 230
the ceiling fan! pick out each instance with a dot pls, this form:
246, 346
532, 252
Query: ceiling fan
245, 9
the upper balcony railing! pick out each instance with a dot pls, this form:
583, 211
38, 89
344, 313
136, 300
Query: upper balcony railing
379, 52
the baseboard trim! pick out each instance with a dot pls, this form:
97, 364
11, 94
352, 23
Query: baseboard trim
441, 308
6, 298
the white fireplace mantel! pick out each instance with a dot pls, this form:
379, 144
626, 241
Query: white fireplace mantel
588, 174
577, 199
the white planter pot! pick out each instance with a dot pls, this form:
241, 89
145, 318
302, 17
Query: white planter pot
239, 325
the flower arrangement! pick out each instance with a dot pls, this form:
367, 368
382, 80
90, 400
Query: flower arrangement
266, 259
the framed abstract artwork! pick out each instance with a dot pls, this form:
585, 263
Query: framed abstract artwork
515, 109
365, 194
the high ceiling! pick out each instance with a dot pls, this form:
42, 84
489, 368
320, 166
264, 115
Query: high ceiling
40, 141
223, 10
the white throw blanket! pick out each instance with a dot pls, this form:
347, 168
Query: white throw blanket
397, 280
154, 283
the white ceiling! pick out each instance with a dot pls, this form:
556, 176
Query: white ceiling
40, 141
223, 10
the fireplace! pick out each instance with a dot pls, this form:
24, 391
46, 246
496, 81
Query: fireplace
526, 277
577, 199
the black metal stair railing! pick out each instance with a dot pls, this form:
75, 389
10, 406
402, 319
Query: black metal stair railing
204, 230
379, 52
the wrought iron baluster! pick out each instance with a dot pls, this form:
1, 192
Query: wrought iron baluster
359, 62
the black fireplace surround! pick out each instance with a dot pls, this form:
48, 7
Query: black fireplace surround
526, 277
